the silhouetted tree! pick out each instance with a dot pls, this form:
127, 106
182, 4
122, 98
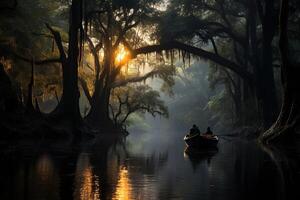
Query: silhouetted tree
135, 99
287, 123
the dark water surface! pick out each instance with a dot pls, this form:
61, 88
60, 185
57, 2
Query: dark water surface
150, 165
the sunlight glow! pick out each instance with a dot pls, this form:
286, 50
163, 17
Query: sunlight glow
124, 187
87, 183
122, 56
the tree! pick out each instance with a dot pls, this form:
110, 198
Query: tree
233, 22
287, 123
9, 101
267, 91
112, 30
18, 37
131, 99
68, 107
231, 95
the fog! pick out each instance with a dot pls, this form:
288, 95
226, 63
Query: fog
188, 105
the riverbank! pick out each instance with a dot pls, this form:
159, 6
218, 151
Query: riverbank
38, 126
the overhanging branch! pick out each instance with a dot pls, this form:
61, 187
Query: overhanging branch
197, 52
121, 83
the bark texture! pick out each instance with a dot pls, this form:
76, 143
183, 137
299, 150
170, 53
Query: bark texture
287, 123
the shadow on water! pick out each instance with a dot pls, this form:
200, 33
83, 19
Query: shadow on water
116, 169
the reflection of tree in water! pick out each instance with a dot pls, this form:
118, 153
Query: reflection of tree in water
45, 178
286, 163
108, 171
240, 170
260, 175
25, 175
104, 170
122, 175
86, 183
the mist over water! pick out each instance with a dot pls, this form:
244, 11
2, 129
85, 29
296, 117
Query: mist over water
150, 165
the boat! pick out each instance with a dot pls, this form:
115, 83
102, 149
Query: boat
201, 140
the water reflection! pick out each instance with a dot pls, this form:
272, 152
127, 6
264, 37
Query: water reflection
124, 187
237, 170
86, 182
198, 156
44, 179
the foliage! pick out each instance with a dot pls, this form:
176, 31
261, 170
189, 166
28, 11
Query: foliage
137, 98
222, 108
23, 32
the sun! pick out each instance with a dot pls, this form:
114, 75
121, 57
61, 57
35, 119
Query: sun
122, 55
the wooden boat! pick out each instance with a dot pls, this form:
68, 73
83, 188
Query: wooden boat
201, 140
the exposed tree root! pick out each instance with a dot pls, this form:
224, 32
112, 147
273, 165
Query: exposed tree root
280, 132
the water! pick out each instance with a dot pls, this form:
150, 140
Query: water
150, 165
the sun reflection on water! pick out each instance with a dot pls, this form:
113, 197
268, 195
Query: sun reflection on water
124, 186
87, 184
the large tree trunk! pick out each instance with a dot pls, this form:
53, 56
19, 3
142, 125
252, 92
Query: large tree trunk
68, 107
289, 117
266, 88
99, 113
251, 94
9, 102
266, 84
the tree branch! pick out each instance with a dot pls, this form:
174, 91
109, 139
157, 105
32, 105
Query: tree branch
151, 111
121, 103
58, 42
95, 50
126, 116
121, 83
197, 52
214, 45
85, 90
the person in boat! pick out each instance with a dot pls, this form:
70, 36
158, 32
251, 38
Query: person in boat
209, 132
194, 130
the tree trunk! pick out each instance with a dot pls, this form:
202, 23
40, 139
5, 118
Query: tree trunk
68, 107
266, 84
99, 113
289, 117
251, 92
29, 104
266, 87
238, 103
8, 98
